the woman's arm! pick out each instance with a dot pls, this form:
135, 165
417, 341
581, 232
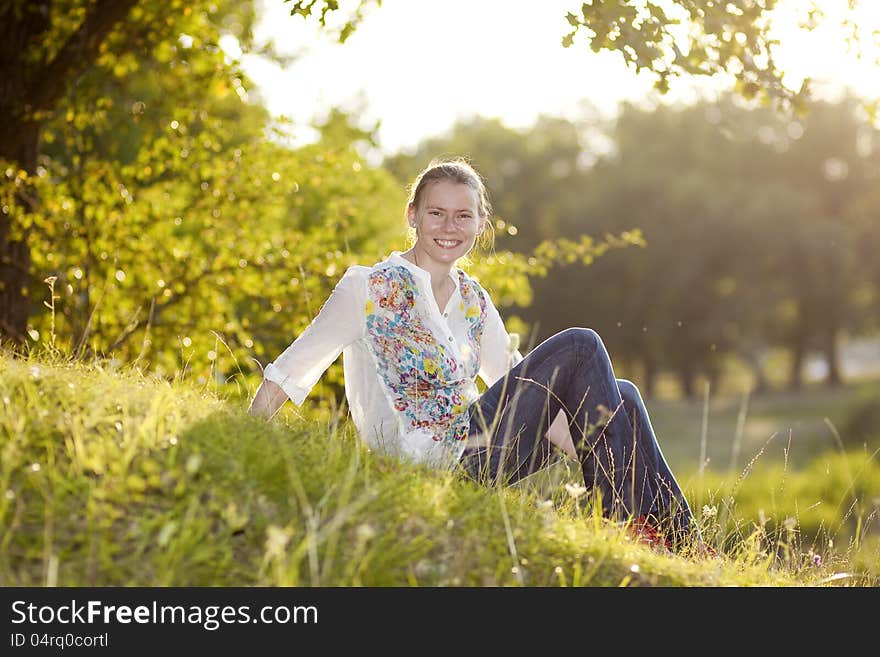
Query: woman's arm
269, 398
297, 369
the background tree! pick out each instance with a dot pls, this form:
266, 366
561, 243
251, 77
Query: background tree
45, 48
762, 211
171, 226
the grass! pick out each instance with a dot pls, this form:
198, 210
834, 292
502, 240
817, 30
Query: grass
739, 424
113, 477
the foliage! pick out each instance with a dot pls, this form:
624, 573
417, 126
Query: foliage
750, 243
242, 242
170, 220
308, 8
97, 84
694, 39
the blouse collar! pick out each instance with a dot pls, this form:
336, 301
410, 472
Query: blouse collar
397, 258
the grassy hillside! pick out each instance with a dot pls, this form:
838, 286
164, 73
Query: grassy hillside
117, 478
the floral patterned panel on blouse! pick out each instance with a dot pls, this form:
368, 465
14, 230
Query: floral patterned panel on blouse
426, 380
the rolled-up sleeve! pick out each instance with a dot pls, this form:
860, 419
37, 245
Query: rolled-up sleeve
340, 322
498, 353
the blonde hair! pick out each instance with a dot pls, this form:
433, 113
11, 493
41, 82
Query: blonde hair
457, 170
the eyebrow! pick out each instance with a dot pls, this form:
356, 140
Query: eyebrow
437, 207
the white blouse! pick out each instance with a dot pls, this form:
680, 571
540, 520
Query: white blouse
410, 369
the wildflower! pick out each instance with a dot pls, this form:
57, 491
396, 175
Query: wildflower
710, 511
365, 532
276, 540
816, 560
575, 490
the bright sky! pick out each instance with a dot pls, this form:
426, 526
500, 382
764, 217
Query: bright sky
418, 65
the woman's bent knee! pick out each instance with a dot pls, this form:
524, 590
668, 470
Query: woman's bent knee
585, 339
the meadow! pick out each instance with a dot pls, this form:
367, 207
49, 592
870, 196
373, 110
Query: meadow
114, 477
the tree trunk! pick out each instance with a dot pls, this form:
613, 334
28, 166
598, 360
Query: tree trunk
798, 353
19, 144
761, 385
832, 359
686, 379
713, 375
31, 86
751, 355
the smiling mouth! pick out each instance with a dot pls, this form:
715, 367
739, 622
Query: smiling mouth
447, 244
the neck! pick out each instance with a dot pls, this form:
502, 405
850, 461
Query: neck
439, 271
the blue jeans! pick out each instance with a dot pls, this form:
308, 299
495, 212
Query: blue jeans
609, 425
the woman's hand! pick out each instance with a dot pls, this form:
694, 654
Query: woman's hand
269, 398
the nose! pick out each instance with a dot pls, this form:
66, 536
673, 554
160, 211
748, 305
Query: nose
450, 225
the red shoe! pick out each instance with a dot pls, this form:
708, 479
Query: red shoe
706, 551
642, 530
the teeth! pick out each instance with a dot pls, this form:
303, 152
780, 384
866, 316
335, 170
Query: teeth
447, 243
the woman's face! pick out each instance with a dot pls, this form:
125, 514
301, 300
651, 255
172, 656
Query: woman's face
447, 222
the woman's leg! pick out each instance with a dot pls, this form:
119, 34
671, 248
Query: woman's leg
607, 419
667, 502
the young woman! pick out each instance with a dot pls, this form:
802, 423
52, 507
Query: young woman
415, 331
